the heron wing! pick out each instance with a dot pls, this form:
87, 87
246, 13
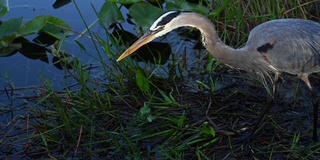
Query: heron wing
289, 45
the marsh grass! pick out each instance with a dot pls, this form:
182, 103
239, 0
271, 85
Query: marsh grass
133, 112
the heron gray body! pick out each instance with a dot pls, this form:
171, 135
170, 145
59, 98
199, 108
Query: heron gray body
273, 47
291, 45
296, 48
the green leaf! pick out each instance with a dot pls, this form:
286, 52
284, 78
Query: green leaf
142, 82
208, 130
202, 84
173, 5
145, 110
81, 45
209, 66
3, 9
110, 13
145, 113
125, 1
44, 141
56, 28
144, 14
47, 24
182, 119
10, 27
33, 26
166, 98
186, 6
150, 118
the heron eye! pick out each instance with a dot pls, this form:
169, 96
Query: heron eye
158, 29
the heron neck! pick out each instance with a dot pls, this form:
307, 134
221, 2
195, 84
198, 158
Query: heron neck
244, 58
218, 49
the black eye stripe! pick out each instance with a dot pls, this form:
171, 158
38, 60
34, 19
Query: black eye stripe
160, 28
168, 18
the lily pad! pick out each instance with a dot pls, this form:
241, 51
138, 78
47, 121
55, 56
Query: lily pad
125, 1
56, 28
47, 24
110, 13
144, 14
10, 27
33, 26
186, 6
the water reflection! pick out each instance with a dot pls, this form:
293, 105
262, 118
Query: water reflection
23, 71
60, 3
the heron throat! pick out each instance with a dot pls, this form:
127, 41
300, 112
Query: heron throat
242, 58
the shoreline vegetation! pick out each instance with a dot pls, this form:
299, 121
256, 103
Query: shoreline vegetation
140, 110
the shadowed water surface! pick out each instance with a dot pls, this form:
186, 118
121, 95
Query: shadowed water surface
23, 71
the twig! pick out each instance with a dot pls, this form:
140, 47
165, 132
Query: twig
216, 128
78, 142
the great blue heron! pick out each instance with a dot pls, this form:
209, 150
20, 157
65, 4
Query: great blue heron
273, 47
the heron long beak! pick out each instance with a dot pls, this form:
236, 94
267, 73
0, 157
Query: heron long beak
146, 38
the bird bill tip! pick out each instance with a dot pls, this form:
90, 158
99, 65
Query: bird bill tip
126, 53
146, 38
123, 55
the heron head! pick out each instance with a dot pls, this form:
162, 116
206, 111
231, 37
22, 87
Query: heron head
164, 24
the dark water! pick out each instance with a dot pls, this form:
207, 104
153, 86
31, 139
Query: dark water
24, 74
19, 72
22, 71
